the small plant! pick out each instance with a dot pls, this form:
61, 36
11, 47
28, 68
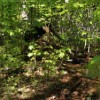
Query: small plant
93, 68
93, 71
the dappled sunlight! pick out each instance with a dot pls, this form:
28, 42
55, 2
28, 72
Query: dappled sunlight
49, 50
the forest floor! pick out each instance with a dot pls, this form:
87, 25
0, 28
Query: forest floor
72, 85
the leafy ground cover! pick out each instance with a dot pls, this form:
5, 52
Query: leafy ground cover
68, 84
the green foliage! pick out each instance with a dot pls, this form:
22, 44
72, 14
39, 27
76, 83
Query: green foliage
76, 22
93, 68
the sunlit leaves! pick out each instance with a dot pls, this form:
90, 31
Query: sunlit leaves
30, 47
76, 5
11, 32
61, 55
84, 33
30, 54
91, 22
66, 1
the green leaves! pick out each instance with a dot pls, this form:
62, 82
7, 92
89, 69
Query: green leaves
77, 5
93, 68
4, 1
61, 55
